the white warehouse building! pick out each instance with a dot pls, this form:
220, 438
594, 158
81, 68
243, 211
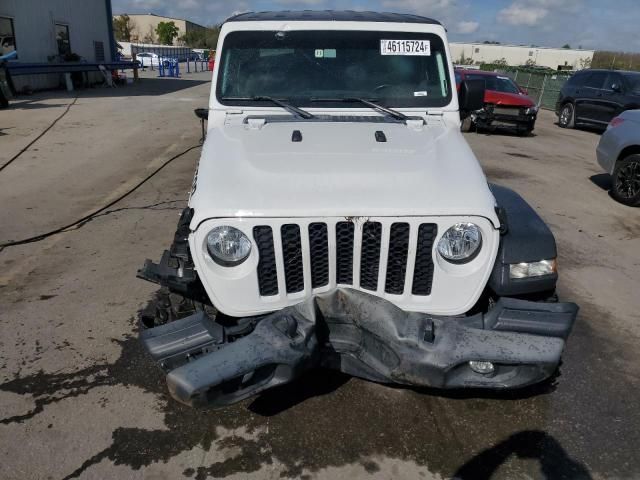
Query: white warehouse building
55, 31
555, 58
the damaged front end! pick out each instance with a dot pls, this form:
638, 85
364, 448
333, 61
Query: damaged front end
365, 336
506, 341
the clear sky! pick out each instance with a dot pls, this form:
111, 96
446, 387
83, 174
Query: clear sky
597, 24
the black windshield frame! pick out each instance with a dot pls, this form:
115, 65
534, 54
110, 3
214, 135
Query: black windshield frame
435, 68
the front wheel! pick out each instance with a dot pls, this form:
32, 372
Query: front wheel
626, 181
466, 125
567, 117
524, 131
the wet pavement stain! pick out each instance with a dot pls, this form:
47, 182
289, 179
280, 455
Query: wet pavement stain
327, 419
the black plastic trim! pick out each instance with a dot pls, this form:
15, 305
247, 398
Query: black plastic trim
365, 336
527, 239
176, 270
267, 273
345, 232
292, 255
331, 16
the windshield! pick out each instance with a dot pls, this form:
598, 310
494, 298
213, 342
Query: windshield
495, 83
633, 80
396, 69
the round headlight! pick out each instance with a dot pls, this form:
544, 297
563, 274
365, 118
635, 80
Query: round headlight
461, 243
228, 246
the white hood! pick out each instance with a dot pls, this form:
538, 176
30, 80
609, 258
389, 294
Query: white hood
338, 169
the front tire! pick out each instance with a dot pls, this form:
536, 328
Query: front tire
626, 181
524, 131
466, 125
567, 118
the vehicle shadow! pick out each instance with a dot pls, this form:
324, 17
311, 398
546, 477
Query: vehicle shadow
528, 444
322, 381
503, 131
314, 383
19, 104
585, 128
601, 180
147, 87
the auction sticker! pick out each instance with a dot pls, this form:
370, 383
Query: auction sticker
405, 47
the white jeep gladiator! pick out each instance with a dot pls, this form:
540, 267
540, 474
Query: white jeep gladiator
339, 219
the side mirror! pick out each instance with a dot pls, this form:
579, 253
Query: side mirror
202, 113
523, 91
471, 96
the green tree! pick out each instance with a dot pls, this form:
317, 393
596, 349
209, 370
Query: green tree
567, 46
123, 26
166, 32
212, 37
202, 38
501, 63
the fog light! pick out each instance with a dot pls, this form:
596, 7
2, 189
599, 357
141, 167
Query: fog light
481, 367
533, 269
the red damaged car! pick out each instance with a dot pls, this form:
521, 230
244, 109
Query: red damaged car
505, 103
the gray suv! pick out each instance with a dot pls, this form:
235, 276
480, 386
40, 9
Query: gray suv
619, 155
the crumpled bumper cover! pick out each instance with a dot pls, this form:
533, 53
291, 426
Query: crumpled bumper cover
364, 336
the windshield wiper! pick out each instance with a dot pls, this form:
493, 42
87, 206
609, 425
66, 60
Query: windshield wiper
389, 111
290, 108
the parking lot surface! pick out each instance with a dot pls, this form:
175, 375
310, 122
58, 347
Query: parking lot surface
80, 399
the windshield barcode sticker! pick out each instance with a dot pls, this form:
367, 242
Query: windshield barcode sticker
405, 47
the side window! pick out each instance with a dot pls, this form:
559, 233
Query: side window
7, 36
596, 80
62, 37
578, 79
613, 79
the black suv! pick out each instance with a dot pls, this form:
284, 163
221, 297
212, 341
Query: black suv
594, 97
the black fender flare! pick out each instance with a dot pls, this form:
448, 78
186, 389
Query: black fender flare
525, 238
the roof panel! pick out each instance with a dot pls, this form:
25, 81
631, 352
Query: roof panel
331, 16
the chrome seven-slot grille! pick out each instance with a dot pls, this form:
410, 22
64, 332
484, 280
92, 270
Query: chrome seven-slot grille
369, 250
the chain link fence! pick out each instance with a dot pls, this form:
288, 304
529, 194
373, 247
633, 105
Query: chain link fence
541, 87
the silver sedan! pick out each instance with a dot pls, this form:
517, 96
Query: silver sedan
619, 155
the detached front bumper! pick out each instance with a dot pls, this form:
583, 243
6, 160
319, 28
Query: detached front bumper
364, 336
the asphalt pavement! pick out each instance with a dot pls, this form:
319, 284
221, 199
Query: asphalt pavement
79, 398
